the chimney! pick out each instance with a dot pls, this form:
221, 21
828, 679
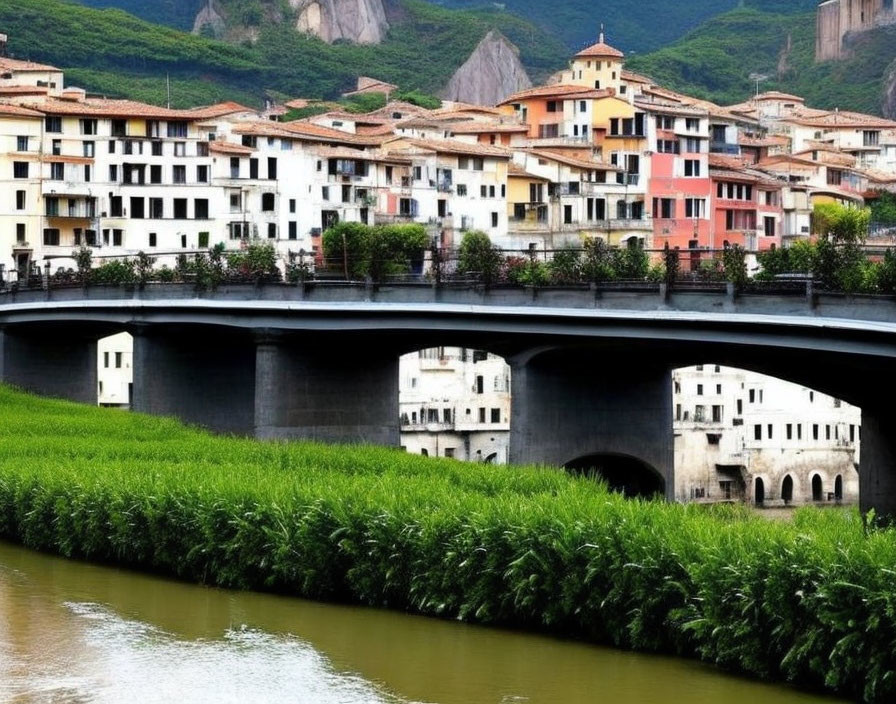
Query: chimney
3, 45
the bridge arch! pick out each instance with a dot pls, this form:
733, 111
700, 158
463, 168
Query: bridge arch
625, 474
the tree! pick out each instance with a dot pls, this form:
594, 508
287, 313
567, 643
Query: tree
840, 263
479, 257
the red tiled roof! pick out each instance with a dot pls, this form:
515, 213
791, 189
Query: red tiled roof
230, 148
18, 111
446, 146
777, 95
8, 64
559, 90
601, 49
573, 160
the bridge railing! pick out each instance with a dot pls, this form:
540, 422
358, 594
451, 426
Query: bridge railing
609, 268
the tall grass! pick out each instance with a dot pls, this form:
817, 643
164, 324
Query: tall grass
812, 602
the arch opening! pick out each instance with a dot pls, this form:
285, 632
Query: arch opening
787, 490
817, 488
623, 474
455, 402
759, 492
838, 488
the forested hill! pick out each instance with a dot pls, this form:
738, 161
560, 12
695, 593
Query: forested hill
722, 58
631, 25
116, 53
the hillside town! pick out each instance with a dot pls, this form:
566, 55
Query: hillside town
598, 152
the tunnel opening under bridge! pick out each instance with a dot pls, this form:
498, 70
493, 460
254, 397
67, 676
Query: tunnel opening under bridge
622, 474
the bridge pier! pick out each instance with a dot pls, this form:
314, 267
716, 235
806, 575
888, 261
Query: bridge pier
197, 376
51, 362
877, 464
330, 391
570, 404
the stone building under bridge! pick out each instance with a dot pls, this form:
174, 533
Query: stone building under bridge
741, 436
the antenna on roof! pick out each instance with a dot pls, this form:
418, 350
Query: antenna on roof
601, 38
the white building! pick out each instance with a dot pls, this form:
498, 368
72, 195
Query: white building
115, 372
744, 436
455, 402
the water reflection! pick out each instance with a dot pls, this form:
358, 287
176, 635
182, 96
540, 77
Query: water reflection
74, 632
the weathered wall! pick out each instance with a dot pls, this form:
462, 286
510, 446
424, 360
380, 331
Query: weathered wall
827, 31
838, 18
358, 21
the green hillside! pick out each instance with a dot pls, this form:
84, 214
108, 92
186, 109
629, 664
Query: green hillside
116, 53
631, 25
174, 13
716, 61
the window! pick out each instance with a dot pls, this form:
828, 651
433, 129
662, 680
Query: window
272, 168
292, 205
115, 206
113, 173
699, 414
664, 208
156, 149
478, 164
111, 146
292, 229
117, 237
152, 239
716, 414
461, 189
815, 431
22, 144
770, 428
137, 208
482, 415
267, 202
180, 149
202, 174
200, 208
665, 122
692, 124
692, 167
20, 200
89, 149
699, 389
177, 129
56, 147
788, 429
156, 209
155, 173
496, 415
325, 192
118, 360
494, 219
57, 172
88, 126
53, 123
179, 174
757, 432
272, 230
180, 208
51, 237
20, 169
694, 207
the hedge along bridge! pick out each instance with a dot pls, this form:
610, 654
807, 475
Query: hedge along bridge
590, 365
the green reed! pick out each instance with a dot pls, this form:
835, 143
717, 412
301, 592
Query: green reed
811, 602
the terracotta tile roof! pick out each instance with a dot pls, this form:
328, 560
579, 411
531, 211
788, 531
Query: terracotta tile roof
102, 107
487, 127
361, 154
777, 95
786, 159
726, 162
375, 130
23, 90
230, 148
559, 90
18, 111
600, 49
309, 131
771, 140
841, 119
633, 77
671, 108
8, 64
461, 108
577, 162
515, 170
446, 146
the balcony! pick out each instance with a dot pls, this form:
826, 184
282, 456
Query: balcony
394, 218
619, 224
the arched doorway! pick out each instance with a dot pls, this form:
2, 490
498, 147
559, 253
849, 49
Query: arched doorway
759, 492
623, 474
838, 488
787, 489
817, 489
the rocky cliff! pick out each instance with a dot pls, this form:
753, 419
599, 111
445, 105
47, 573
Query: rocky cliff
889, 102
209, 20
358, 21
492, 72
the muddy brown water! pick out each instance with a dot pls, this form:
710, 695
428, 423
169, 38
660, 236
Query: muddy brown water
74, 632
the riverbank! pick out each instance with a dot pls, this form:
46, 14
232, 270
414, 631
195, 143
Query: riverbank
811, 602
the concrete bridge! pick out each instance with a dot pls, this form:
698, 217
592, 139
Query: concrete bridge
590, 366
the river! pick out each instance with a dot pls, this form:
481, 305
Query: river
74, 632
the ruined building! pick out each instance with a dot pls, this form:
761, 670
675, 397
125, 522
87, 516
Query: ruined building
837, 19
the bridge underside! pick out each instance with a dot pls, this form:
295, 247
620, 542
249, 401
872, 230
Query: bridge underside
577, 389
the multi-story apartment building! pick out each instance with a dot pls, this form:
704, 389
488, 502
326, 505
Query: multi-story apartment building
455, 402
747, 437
